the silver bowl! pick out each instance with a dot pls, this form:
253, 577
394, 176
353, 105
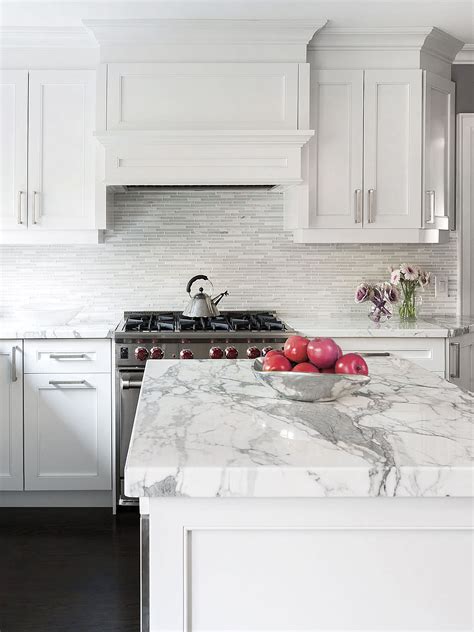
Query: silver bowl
309, 387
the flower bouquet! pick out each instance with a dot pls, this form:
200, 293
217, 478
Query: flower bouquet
409, 278
381, 295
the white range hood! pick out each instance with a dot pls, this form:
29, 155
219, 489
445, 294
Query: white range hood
203, 102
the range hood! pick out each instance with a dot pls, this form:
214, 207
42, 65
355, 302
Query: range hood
203, 102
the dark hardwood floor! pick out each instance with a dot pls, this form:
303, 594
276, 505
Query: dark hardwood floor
69, 570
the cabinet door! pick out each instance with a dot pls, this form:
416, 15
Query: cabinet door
11, 415
61, 173
202, 96
438, 197
393, 148
336, 151
461, 361
67, 431
13, 149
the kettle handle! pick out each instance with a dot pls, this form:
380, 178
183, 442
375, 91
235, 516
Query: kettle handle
195, 278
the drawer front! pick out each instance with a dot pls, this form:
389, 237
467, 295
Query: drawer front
67, 356
428, 353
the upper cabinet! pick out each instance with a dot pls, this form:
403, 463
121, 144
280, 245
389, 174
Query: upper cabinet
48, 187
13, 149
380, 167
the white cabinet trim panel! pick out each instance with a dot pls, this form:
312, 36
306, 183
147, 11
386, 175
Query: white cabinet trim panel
11, 415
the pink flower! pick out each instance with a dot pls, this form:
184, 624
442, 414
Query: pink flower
395, 277
425, 278
391, 293
362, 293
410, 273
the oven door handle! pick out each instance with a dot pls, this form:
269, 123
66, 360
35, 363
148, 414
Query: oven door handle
126, 384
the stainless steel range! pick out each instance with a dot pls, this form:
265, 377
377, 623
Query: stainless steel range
143, 336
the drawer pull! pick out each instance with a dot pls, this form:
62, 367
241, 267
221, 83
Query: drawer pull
70, 383
456, 374
14, 376
68, 356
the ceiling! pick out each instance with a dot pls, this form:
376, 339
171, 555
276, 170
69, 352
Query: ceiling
453, 16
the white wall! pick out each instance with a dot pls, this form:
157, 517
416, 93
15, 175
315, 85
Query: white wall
161, 239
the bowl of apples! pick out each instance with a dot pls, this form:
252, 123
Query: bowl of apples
314, 370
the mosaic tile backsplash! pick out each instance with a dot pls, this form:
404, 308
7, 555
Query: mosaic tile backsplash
235, 236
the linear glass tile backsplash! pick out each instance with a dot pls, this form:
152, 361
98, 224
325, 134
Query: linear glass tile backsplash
162, 238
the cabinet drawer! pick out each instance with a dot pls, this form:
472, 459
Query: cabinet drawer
428, 353
67, 356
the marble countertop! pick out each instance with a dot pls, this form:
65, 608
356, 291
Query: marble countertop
359, 325
75, 329
209, 429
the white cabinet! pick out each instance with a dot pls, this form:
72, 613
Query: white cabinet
380, 167
61, 173
461, 361
67, 431
11, 415
335, 155
48, 190
13, 149
439, 185
67, 418
392, 148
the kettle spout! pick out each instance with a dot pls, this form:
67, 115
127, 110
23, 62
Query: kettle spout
219, 297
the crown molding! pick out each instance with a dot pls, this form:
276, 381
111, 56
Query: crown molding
429, 39
465, 55
202, 31
45, 37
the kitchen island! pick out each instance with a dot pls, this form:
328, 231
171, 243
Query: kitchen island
266, 514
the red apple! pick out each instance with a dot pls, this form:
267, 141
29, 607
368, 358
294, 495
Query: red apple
295, 348
323, 352
305, 367
273, 352
353, 364
330, 370
276, 363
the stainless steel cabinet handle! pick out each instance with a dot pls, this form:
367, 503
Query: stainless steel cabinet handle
14, 376
126, 384
430, 219
67, 356
457, 370
35, 207
69, 383
358, 206
20, 207
371, 205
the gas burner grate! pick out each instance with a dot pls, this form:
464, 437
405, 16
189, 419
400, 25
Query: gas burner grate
227, 321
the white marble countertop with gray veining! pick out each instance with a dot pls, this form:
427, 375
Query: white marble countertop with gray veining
10, 329
207, 428
359, 325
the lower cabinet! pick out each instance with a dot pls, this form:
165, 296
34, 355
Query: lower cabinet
461, 361
67, 431
11, 415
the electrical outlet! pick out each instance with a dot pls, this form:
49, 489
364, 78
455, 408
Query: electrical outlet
441, 287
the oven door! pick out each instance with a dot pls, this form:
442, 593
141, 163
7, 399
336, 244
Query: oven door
129, 383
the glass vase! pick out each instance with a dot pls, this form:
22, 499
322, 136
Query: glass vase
408, 306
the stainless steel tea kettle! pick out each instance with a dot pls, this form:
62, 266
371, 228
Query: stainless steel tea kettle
202, 305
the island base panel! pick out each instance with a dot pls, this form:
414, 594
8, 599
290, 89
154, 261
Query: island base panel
339, 564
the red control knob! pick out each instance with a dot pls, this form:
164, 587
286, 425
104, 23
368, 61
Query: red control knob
253, 352
186, 354
231, 353
216, 353
156, 353
141, 353
265, 350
